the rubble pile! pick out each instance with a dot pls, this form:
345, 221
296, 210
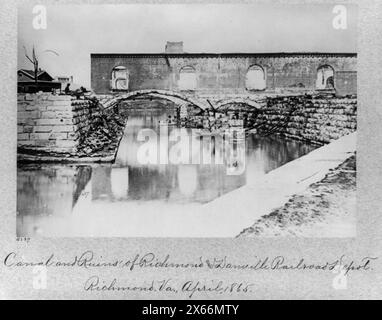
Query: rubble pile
222, 118
105, 132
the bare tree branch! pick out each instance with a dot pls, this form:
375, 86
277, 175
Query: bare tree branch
26, 54
34, 61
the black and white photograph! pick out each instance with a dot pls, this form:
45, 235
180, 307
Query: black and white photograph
147, 120
189, 154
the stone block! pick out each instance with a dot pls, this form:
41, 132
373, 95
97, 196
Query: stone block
65, 143
43, 128
22, 107
45, 96
29, 114
28, 129
43, 106
58, 135
64, 114
62, 103
45, 143
73, 135
48, 114
21, 121
40, 136
23, 136
30, 108
30, 122
62, 108
65, 150
53, 121
30, 97
53, 97
64, 98
26, 143
63, 128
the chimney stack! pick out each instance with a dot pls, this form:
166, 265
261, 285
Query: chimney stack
174, 47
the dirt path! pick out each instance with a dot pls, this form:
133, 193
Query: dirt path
325, 209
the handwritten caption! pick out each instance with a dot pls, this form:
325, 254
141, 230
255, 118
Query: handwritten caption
89, 260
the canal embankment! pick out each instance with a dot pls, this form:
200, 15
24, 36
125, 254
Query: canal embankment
325, 209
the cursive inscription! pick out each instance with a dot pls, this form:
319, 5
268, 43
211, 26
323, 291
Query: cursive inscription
90, 260
189, 287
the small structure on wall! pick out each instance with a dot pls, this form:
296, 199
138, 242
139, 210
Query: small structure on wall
64, 80
174, 47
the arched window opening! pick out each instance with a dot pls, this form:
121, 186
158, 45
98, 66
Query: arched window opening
325, 77
119, 78
255, 78
187, 78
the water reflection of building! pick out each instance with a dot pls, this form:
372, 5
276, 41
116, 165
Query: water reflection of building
119, 178
199, 183
48, 190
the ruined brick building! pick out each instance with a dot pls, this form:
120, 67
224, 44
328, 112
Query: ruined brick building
223, 73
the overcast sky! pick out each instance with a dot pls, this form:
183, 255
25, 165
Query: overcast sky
75, 31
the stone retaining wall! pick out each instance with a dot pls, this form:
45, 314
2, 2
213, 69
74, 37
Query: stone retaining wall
313, 117
317, 119
52, 123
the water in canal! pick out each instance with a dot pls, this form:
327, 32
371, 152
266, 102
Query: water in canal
131, 198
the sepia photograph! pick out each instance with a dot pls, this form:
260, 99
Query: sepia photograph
187, 120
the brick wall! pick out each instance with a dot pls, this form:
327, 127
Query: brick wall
52, 123
224, 74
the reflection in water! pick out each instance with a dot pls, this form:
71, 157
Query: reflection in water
47, 190
119, 178
51, 198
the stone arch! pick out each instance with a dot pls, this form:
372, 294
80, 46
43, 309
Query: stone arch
187, 79
325, 77
176, 97
255, 78
119, 80
248, 102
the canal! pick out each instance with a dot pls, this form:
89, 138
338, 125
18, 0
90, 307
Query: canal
146, 188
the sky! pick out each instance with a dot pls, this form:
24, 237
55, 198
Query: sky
75, 31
